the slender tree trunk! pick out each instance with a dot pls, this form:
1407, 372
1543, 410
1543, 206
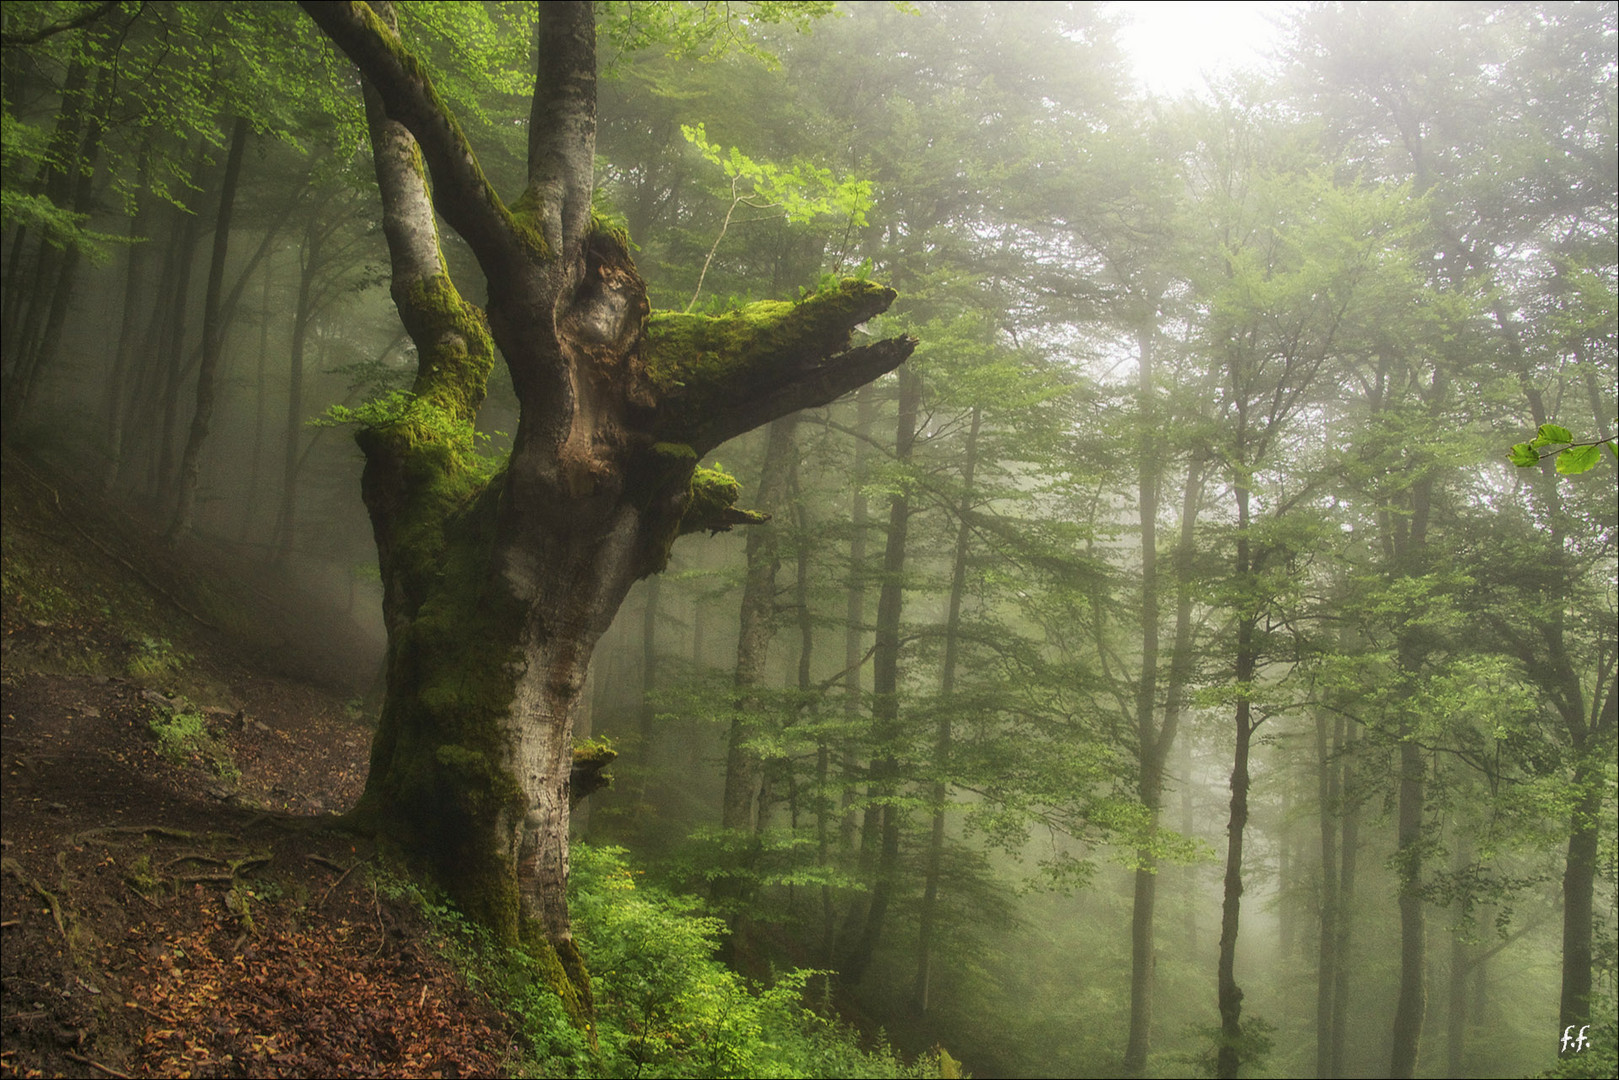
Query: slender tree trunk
1456, 990
293, 431
742, 810
160, 460
1181, 661
143, 400
261, 406
1151, 747
213, 345
1229, 1057
944, 739
885, 771
1412, 1004
649, 673
1411, 1007
744, 770
1579, 889
113, 407
1348, 851
854, 645
826, 807
1328, 742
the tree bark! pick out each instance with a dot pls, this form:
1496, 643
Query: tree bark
647, 712
292, 430
1410, 1009
1412, 1003
854, 636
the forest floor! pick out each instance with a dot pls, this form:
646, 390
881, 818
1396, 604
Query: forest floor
176, 899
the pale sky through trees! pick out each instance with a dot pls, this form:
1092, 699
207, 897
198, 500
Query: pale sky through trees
1175, 47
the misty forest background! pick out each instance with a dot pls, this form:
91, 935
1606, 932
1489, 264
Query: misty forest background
1193, 507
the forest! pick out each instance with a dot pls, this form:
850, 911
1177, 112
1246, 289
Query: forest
807, 539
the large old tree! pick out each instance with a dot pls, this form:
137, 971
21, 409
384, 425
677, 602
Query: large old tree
497, 587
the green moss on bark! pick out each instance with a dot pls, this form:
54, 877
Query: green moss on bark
690, 355
524, 219
441, 761
562, 968
454, 376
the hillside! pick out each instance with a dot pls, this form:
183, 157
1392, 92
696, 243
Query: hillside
175, 899
180, 732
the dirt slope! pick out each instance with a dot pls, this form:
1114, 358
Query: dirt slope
184, 905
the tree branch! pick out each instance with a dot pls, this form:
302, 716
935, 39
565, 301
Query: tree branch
715, 378
461, 191
562, 124
84, 18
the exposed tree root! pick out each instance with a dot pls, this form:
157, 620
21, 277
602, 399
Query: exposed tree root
12, 867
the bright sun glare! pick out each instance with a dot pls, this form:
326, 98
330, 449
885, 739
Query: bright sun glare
1176, 47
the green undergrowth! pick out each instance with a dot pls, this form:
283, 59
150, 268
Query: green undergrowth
665, 1007
183, 738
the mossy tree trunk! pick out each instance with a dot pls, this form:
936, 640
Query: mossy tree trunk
498, 584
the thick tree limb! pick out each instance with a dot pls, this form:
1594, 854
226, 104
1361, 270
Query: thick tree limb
449, 367
715, 378
461, 191
407, 204
562, 124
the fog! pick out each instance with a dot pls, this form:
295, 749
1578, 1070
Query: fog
1251, 690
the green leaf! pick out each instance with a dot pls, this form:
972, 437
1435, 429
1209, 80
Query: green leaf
1577, 459
1552, 433
1523, 455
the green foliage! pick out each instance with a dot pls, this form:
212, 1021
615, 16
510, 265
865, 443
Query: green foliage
708, 31
511, 977
156, 658
179, 735
183, 737
1253, 1044
427, 423
1572, 457
666, 1007
25, 210
801, 192
752, 862
1601, 1059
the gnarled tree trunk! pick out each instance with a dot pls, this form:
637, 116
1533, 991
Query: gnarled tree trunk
498, 585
